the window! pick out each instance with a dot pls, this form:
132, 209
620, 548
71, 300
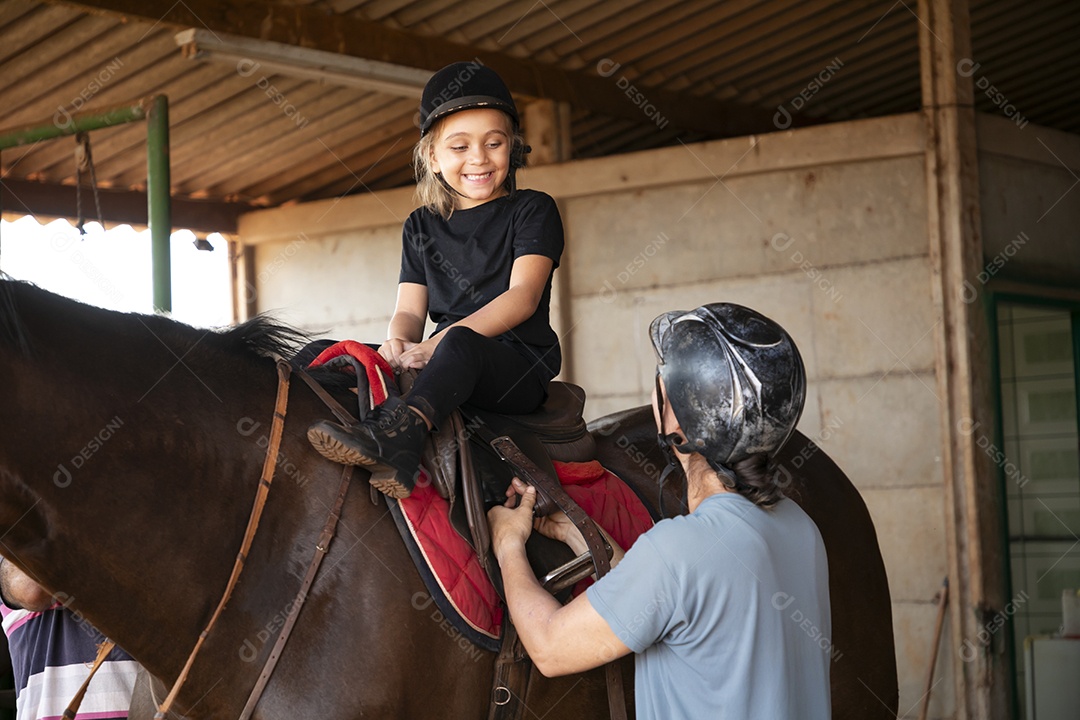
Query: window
1037, 361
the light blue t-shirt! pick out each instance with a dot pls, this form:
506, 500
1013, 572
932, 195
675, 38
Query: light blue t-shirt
728, 611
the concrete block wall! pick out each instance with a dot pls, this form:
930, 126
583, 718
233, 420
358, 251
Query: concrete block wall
823, 229
1030, 210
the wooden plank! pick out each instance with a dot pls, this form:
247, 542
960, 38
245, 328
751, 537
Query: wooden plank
595, 22
57, 46
14, 9
976, 556
208, 130
389, 157
311, 27
112, 150
28, 30
316, 146
123, 49
311, 165
227, 143
547, 131
117, 206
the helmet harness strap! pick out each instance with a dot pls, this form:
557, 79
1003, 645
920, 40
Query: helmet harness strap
666, 441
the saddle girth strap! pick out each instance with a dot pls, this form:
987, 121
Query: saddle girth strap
513, 668
73, 707
321, 548
269, 466
551, 489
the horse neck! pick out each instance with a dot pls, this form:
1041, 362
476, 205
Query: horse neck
124, 483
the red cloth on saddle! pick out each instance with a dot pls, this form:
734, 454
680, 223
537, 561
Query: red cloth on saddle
601, 494
372, 361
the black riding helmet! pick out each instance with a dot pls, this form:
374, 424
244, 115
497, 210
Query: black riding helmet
467, 86
734, 379
464, 86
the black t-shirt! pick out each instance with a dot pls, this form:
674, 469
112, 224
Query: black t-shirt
465, 262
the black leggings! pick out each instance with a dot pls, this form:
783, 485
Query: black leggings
468, 367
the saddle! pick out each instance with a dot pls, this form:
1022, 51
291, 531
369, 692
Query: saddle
470, 460
477, 452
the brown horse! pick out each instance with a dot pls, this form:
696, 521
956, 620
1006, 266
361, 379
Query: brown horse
130, 450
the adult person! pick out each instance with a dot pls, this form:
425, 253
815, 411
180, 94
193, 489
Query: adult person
478, 257
700, 598
52, 649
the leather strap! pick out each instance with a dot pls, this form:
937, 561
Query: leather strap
321, 548
269, 465
344, 416
553, 492
512, 671
73, 707
548, 486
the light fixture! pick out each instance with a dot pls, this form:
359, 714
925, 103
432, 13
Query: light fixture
250, 56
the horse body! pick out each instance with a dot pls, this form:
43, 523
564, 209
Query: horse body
130, 452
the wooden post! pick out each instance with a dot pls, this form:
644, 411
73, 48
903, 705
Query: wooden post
547, 131
962, 339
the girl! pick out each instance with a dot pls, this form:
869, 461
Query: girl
477, 258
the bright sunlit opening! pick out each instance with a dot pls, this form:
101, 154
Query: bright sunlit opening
112, 269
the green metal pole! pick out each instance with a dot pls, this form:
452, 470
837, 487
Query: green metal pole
158, 182
156, 111
65, 124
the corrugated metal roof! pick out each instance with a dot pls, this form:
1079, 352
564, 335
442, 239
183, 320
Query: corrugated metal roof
268, 139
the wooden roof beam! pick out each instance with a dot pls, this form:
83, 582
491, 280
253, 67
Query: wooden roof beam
308, 26
118, 206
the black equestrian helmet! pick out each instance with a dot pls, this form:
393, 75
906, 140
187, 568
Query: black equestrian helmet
464, 86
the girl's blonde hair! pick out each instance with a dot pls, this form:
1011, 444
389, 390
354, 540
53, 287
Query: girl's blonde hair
432, 192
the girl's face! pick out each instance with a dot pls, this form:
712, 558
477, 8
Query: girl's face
472, 151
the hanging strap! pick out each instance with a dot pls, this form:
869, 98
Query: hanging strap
552, 490
84, 160
103, 652
322, 546
269, 465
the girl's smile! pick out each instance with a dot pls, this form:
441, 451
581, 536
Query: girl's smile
473, 155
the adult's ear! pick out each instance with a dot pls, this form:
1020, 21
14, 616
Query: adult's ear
18, 590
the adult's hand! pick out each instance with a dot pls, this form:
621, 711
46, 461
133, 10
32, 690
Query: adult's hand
512, 523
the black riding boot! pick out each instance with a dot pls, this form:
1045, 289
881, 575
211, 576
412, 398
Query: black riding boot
391, 437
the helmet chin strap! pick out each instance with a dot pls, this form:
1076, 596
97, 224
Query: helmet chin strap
670, 442
448, 186
667, 442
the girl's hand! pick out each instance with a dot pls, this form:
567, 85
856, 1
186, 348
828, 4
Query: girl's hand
392, 350
417, 354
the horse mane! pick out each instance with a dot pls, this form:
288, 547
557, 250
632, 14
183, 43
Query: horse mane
11, 328
260, 337
263, 336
